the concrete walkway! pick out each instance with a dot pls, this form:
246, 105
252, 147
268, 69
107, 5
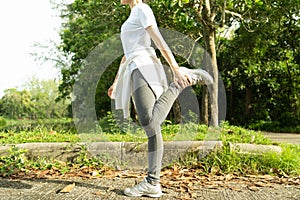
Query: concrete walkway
112, 188
105, 188
292, 138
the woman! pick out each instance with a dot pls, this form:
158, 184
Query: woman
141, 75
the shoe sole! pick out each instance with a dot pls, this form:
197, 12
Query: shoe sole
154, 196
145, 195
207, 78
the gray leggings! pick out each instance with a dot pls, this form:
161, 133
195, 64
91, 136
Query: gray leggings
151, 114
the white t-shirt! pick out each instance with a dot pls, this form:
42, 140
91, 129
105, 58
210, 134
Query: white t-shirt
139, 54
133, 34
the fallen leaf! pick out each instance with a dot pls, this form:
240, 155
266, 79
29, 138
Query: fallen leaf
95, 173
99, 193
267, 177
193, 195
186, 197
68, 188
261, 184
175, 168
228, 177
211, 186
110, 189
253, 188
234, 188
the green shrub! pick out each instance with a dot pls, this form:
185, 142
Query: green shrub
287, 125
2, 122
229, 161
14, 161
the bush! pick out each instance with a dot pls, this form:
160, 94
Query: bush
2, 122
274, 126
288, 119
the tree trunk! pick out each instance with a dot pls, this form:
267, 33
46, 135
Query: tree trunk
232, 103
177, 112
248, 98
204, 109
209, 34
215, 73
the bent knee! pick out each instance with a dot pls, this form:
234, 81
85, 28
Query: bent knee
145, 120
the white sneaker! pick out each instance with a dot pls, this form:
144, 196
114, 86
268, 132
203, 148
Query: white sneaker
144, 189
198, 76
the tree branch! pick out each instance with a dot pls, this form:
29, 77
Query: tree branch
223, 13
234, 14
207, 8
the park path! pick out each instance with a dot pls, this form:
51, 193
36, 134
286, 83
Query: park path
107, 188
112, 188
292, 138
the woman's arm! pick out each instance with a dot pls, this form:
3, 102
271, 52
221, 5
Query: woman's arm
111, 88
182, 79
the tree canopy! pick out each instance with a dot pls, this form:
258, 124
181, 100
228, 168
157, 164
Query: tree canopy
36, 101
261, 65
259, 61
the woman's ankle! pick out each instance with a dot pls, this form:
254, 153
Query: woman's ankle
152, 181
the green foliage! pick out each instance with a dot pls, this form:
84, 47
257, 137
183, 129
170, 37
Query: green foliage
88, 24
229, 161
83, 159
261, 66
14, 161
113, 123
128, 132
36, 101
235, 134
273, 126
2, 122
14, 103
109, 124
38, 133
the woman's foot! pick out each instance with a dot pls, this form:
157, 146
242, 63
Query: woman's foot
144, 189
198, 76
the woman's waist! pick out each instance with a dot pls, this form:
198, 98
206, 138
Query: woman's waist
144, 52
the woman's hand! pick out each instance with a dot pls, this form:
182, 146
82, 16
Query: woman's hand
181, 79
110, 90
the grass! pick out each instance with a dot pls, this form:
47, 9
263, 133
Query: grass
228, 161
223, 161
170, 132
15, 164
38, 134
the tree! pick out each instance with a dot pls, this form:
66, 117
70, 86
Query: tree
44, 94
206, 17
261, 65
15, 104
90, 22
36, 101
85, 23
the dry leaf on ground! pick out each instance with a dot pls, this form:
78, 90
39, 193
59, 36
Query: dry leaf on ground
68, 188
253, 188
100, 193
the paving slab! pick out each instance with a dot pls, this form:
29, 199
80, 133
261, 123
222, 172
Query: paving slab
112, 188
292, 138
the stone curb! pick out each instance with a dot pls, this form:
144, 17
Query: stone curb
130, 155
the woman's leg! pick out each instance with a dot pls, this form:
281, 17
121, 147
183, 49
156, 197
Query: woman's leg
151, 115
